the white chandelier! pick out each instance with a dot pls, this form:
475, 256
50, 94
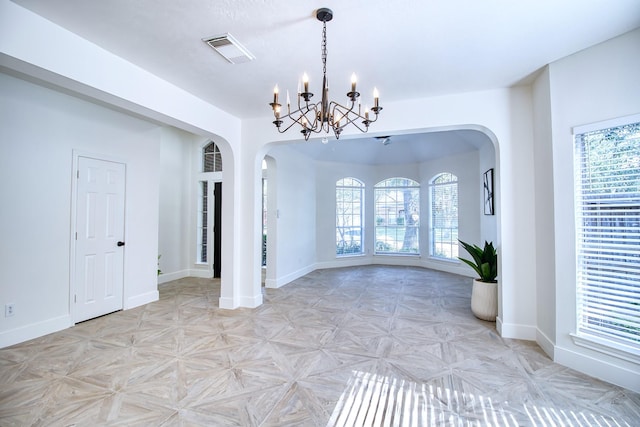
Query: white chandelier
325, 115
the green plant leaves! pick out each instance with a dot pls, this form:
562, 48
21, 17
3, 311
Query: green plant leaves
485, 260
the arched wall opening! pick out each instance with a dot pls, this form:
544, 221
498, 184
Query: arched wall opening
181, 178
316, 167
229, 223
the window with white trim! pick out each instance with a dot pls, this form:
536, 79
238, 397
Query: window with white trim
211, 162
203, 222
444, 216
607, 192
397, 205
349, 214
211, 158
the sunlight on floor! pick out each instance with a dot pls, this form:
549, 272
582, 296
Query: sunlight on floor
378, 400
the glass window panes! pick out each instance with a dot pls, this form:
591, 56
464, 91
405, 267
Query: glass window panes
203, 220
211, 158
349, 214
397, 216
444, 216
607, 189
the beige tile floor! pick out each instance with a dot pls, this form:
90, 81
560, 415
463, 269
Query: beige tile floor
355, 346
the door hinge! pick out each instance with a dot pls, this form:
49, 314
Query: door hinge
78, 174
76, 235
75, 299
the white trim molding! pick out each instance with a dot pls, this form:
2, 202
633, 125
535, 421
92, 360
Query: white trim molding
597, 367
141, 299
628, 353
174, 275
227, 303
34, 330
281, 281
515, 331
545, 343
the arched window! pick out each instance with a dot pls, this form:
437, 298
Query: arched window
349, 215
211, 158
211, 162
444, 216
397, 216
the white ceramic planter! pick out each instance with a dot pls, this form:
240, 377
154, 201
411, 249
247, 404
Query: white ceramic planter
484, 300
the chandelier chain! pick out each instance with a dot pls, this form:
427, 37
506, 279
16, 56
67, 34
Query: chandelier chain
324, 48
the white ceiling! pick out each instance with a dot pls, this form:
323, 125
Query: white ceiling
406, 48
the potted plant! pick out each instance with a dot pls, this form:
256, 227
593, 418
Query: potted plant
484, 296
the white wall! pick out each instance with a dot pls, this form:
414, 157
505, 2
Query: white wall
596, 84
176, 187
39, 131
295, 206
544, 249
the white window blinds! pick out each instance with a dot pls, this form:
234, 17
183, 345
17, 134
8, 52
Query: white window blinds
444, 216
607, 188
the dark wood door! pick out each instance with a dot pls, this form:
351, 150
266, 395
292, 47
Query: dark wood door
217, 229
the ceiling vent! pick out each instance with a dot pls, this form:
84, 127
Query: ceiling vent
227, 46
386, 140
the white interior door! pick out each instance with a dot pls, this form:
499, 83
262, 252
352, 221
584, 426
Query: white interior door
99, 259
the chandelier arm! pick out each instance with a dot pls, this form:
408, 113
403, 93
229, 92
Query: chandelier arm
355, 123
347, 112
349, 116
296, 118
283, 130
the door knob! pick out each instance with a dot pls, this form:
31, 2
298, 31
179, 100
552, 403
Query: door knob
120, 243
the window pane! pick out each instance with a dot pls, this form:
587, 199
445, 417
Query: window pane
203, 217
349, 211
607, 187
397, 213
211, 158
444, 216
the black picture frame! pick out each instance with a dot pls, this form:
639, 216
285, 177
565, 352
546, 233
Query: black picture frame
488, 192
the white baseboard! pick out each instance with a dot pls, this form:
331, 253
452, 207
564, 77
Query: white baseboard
344, 262
448, 267
141, 299
227, 303
202, 274
175, 275
271, 283
181, 274
34, 330
408, 260
251, 302
598, 368
545, 343
515, 331
281, 281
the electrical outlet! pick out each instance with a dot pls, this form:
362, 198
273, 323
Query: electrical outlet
9, 310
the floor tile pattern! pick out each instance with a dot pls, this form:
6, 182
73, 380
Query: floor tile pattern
361, 346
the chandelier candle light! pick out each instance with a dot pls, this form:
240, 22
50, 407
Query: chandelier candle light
325, 115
